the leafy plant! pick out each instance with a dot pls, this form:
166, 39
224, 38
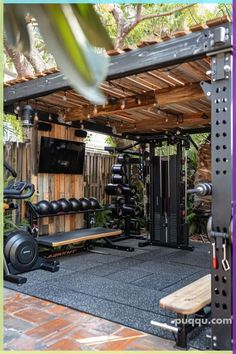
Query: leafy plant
71, 31
102, 217
9, 225
197, 224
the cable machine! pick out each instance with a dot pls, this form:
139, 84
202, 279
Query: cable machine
168, 191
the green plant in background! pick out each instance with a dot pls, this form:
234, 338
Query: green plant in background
110, 141
9, 225
12, 128
197, 224
102, 217
71, 31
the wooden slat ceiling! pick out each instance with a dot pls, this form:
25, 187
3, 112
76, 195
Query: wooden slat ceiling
155, 101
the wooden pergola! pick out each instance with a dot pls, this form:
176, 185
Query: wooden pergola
151, 89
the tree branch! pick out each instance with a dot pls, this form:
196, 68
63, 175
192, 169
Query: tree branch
162, 14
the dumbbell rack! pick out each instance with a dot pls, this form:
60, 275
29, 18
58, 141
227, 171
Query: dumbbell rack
34, 216
126, 218
51, 253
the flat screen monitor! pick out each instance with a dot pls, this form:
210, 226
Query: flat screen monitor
61, 156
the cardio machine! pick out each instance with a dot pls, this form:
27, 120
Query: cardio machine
20, 247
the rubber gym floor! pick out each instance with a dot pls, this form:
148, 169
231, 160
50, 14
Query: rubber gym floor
115, 293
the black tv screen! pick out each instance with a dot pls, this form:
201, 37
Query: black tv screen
61, 156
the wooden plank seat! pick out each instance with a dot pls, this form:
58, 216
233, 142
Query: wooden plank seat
189, 300
90, 236
65, 238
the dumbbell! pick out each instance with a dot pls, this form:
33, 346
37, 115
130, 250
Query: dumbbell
65, 205
127, 211
43, 207
75, 204
122, 159
118, 179
126, 190
118, 169
120, 200
115, 210
94, 203
202, 189
55, 206
114, 189
85, 203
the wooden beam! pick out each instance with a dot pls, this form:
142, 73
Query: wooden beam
162, 123
160, 97
119, 105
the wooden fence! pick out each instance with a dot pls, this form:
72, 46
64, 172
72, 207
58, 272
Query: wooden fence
97, 173
97, 169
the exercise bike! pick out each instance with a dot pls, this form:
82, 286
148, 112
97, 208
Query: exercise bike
20, 247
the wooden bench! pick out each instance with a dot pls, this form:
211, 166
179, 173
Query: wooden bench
189, 300
83, 235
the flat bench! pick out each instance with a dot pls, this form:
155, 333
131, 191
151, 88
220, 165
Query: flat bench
83, 235
189, 300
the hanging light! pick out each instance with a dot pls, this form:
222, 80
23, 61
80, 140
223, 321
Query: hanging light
95, 110
64, 96
27, 118
17, 109
138, 100
167, 119
122, 104
81, 124
60, 117
36, 117
49, 117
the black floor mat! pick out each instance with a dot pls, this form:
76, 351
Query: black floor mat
123, 287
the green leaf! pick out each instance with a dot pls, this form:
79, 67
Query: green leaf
92, 25
16, 28
84, 68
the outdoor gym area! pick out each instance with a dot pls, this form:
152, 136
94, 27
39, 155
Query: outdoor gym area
129, 247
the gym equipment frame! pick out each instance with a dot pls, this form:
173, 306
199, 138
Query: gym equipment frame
213, 42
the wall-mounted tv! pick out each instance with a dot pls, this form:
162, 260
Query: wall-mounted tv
61, 156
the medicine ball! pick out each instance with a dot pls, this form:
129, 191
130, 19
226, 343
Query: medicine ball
94, 203
113, 189
85, 203
75, 204
44, 207
21, 250
56, 207
65, 205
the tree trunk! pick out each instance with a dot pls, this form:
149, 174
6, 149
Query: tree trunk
34, 56
22, 65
